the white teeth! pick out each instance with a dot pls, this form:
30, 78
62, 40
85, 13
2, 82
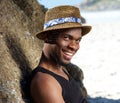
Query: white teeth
68, 53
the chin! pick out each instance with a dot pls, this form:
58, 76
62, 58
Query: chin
64, 63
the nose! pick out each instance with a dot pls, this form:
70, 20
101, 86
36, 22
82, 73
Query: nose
73, 45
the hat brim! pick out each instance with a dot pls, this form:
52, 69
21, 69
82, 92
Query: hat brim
85, 29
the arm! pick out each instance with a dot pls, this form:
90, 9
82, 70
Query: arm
45, 89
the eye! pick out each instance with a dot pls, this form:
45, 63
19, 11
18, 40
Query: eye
66, 37
78, 41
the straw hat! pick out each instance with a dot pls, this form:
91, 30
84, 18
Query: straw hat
63, 17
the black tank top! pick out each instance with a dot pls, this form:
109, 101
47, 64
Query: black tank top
70, 89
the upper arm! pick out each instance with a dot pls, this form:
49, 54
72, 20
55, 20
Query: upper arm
45, 89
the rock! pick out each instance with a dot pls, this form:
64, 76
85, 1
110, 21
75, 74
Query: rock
99, 5
20, 50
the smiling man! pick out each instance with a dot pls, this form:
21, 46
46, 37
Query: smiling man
62, 34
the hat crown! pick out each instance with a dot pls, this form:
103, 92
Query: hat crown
62, 17
62, 12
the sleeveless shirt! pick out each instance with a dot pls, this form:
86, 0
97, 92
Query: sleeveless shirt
71, 91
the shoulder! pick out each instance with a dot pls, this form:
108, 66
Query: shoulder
44, 88
42, 79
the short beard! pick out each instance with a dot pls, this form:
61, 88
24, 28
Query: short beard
56, 59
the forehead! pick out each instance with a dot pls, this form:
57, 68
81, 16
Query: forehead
74, 32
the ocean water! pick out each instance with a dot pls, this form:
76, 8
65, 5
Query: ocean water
101, 16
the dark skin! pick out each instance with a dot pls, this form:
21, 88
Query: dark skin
44, 87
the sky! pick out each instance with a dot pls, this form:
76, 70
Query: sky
52, 3
91, 17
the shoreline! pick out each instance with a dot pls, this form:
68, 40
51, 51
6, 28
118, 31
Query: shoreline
101, 16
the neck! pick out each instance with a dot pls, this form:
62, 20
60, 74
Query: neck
52, 66
49, 64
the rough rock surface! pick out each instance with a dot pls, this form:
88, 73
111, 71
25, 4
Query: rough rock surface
19, 48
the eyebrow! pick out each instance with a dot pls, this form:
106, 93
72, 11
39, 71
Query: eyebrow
72, 36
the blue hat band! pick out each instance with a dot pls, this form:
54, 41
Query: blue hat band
61, 20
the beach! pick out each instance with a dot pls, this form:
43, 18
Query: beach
99, 57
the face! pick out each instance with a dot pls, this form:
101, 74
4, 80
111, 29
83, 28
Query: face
67, 44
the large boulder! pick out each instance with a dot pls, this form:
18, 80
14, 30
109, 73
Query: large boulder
20, 50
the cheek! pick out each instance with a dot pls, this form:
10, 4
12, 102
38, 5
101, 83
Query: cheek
59, 48
61, 44
78, 46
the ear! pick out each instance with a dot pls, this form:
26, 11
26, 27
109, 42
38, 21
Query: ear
50, 38
46, 38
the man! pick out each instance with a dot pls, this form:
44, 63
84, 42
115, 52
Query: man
62, 33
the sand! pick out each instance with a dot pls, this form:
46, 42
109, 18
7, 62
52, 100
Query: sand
99, 58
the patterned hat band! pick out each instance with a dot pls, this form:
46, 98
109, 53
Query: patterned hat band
61, 20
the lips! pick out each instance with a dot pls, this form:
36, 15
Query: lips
68, 55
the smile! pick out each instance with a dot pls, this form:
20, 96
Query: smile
69, 54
